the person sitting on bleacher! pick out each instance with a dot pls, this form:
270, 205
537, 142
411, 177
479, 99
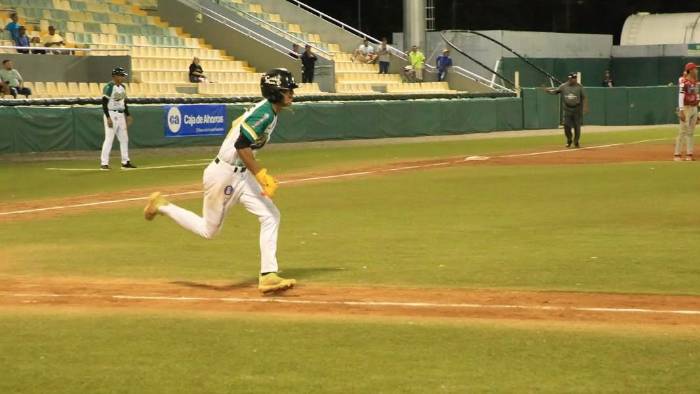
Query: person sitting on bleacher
365, 53
196, 72
22, 40
13, 27
13, 79
54, 40
36, 42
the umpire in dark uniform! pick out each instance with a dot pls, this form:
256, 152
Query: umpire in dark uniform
308, 63
574, 105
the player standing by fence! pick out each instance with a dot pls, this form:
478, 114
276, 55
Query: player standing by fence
688, 100
116, 118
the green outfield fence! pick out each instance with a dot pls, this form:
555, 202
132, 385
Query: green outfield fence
626, 71
39, 129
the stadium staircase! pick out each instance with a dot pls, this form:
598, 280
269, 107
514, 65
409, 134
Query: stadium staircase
160, 53
351, 77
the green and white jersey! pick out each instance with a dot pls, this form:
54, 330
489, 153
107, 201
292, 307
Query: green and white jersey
116, 95
256, 125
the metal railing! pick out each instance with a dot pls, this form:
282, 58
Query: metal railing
397, 52
394, 51
238, 27
263, 23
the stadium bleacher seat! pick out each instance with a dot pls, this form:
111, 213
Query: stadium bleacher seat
161, 54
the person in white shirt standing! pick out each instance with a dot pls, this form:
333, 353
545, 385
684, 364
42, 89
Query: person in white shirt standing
116, 119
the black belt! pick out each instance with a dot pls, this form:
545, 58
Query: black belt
116, 110
235, 168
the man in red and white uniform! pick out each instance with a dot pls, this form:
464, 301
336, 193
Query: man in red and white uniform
688, 100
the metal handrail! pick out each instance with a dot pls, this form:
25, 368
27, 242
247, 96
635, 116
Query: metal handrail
479, 79
397, 52
279, 31
238, 27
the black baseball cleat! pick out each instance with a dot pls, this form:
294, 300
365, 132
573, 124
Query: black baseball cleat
104, 167
127, 165
568, 144
576, 146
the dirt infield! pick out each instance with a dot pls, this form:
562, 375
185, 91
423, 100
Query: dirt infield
622, 153
618, 309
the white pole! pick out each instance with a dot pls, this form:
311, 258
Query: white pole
578, 76
517, 83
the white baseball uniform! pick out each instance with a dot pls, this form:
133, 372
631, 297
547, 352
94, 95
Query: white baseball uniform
226, 182
116, 109
688, 99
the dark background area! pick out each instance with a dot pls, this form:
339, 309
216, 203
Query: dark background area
380, 18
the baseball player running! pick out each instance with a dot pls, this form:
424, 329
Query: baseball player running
688, 100
235, 176
116, 118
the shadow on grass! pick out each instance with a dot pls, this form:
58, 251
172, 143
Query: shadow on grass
206, 286
296, 273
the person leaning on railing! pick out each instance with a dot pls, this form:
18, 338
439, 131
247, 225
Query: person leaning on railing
23, 40
384, 57
13, 80
417, 60
308, 64
54, 40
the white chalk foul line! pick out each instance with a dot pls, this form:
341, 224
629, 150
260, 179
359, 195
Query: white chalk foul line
393, 304
292, 181
130, 169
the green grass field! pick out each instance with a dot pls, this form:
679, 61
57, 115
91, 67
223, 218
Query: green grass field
626, 227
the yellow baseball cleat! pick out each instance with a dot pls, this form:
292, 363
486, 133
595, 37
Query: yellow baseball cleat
155, 201
272, 282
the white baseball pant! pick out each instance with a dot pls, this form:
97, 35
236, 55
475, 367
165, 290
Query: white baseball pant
687, 129
224, 186
119, 129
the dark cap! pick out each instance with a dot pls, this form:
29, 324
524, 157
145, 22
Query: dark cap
119, 71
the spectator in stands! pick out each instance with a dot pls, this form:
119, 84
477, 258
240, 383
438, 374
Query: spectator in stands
365, 53
384, 57
196, 72
607, 80
36, 42
13, 79
295, 51
417, 60
13, 27
22, 40
308, 64
443, 63
54, 40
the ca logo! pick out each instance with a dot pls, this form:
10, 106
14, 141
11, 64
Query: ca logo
174, 119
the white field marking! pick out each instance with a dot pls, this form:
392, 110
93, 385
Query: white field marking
395, 304
130, 169
74, 169
350, 174
91, 204
476, 158
316, 178
579, 149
